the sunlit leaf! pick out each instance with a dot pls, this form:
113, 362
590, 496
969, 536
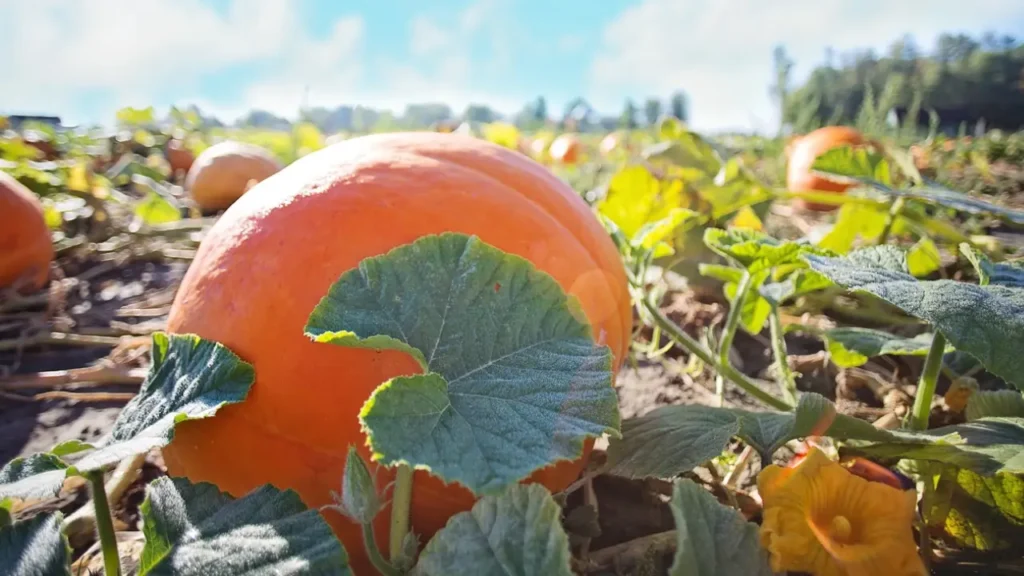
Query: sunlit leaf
513, 381
155, 209
985, 321
713, 539
855, 222
136, 116
195, 529
923, 258
852, 346
636, 199
969, 510
35, 547
30, 477
746, 218
518, 533
307, 138
502, 134
854, 162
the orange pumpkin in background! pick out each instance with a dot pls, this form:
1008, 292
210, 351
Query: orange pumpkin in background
26, 248
565, 149
225, 171
274, 254
610, 143
804, 150
179, 156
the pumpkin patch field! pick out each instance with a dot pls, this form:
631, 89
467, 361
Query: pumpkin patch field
482, 351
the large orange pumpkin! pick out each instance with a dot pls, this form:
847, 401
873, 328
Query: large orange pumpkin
274, 254
26, 248
224, 171
565, 149
804, 150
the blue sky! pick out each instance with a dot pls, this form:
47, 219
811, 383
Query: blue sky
83, 59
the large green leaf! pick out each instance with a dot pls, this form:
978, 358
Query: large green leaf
854, 162
513, 382
985, 321
713, 539
852, 346
994, 403
636, 198
674, 439
35, 476
751, 249
35, 547
189, 378
195, 529
969, 510
988, 446
518, 533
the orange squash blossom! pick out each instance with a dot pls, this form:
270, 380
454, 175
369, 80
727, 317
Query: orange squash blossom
26, 248
804, 150
274, 254
225, 171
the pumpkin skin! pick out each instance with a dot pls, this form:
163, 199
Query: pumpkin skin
565, 149
224, 171
274, 254
26, 248
802, 153
179, 157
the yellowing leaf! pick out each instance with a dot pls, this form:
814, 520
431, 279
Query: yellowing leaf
502, 134
154, 209
307, 138
746, 218
129, 116
923, 258
636, 198
855, 221
78, 177
51, 214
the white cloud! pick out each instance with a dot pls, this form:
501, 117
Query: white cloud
59, 49
426, 37
720, 52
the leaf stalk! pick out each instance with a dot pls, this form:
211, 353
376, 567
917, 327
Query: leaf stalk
926, 387
104, 524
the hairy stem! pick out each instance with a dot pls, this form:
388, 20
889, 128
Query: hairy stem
104, 524
732, 321
378, 561
926, 387
787, 382
684, 340
401, 502
894, 212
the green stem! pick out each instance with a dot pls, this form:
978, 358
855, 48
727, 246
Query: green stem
926, 387
732, 321
786, 379
673, 331
378, 561
104, 524
401, 502
894, 212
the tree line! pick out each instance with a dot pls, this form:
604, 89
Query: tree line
964, 83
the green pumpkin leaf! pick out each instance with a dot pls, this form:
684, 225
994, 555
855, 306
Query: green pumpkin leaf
854, 162
995, 403
936, 194
984, 321
987, 446
674, 439
751, 249
1009, 273
195, 529
755, 309
189, 378
513, 381
713, 539
658, 235
30, 477
35, 547
968, 510
852, 346
518, 533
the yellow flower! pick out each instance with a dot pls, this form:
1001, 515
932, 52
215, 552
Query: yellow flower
821, 519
